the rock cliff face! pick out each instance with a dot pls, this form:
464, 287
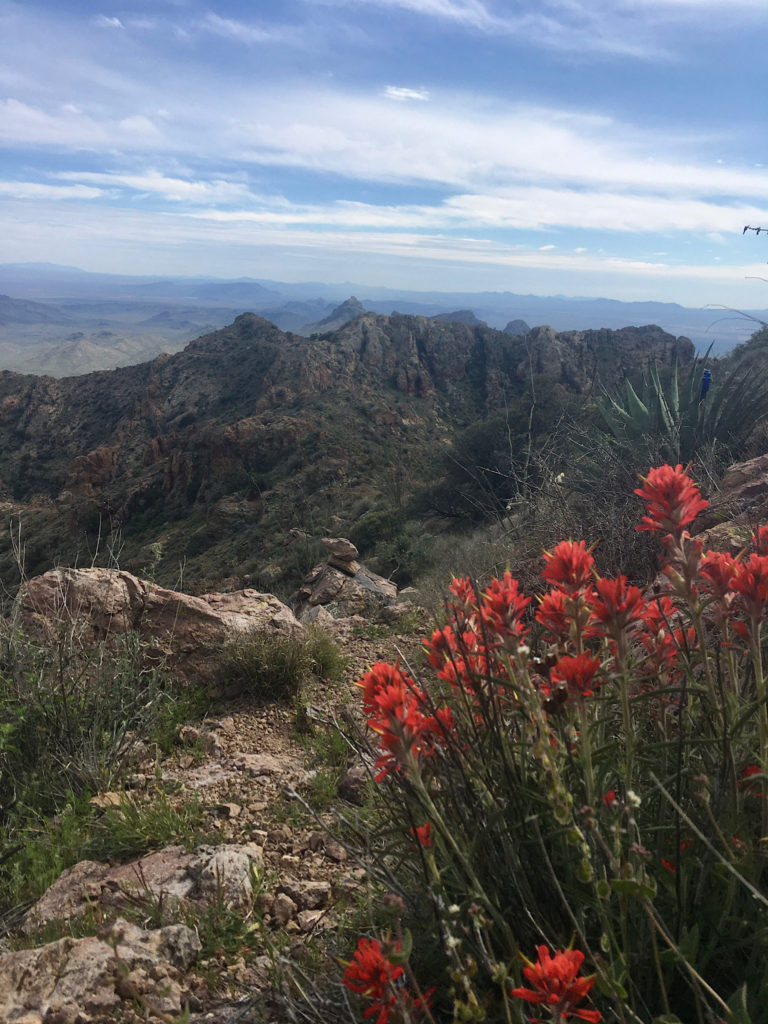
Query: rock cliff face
250, 431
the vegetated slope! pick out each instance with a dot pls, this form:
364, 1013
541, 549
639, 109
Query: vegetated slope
208, 458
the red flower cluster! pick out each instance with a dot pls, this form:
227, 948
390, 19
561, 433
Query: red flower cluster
555, 982
672, 500
569, 566
577, 675
409, 727
372, 975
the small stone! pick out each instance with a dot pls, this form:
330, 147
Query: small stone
316, 841
307, 919
229, 810
105, 801
309, 895
335, 851
354, 784
283, 908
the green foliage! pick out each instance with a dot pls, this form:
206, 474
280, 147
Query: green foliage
35, 850
327, 661
145, 823
626, 817
671, 422
73, 714
276, 667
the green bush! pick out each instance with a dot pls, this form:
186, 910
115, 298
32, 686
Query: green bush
581, 780
72, 715
276, 667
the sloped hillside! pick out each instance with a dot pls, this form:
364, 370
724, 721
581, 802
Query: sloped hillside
207, 459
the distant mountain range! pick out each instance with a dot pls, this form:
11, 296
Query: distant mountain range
61, 320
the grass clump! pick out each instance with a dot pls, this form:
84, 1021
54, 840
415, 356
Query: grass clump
277, 667
74, 719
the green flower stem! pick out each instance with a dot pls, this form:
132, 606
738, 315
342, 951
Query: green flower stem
586, 754
626, 711
437, 821
699, 627
756, 650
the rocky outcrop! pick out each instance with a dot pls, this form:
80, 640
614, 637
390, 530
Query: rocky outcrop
199, 877
461, 316
342, 586
740, 506
74, 980
97, 604
205, 456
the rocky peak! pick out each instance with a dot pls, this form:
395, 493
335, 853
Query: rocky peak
461, 316
517, 328
348, 310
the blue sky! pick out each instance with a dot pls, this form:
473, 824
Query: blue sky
578, 147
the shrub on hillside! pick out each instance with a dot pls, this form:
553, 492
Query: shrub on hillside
574, 802
276, 667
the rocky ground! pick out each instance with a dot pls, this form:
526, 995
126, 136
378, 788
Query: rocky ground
269, 879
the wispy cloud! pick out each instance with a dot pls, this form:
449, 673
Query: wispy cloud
177, 190
103, 21
402, 93
39, 190
249, 33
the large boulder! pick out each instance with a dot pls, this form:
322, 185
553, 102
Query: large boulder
74, 979
98, 604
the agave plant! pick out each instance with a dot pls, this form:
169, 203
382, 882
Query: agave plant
679, 416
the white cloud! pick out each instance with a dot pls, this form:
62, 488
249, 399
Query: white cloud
248, 33
38, 190
105, 22
174, 189
396, 92
140, 127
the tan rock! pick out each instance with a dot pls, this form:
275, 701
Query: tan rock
102, 603
283, 908
341, 549
170, 873
71, 978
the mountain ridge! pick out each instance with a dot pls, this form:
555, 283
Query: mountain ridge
207, 456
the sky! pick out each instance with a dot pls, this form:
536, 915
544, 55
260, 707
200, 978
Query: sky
609, 148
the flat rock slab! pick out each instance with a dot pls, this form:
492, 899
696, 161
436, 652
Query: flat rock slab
168, 873
68, 979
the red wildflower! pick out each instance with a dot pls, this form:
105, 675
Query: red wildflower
503, 604
423, 834
717, 570
610, 799
578, 674
555, 983
672, 500
379, 677
669, 865
441, 645
553, 614
750, 581
371, 974
760, 540
569, 565
464, 590
619, 604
